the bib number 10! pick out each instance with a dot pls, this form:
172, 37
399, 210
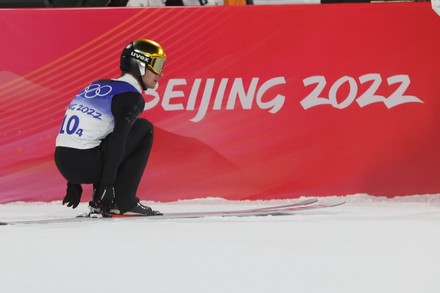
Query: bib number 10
70, 126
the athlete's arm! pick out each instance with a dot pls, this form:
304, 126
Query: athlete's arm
126, 108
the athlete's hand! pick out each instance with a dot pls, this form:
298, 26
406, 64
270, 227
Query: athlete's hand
104, 198
73, 195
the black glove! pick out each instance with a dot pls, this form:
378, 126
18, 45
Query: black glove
73, 195
104, 197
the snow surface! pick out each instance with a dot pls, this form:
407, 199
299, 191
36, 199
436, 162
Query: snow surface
371, 244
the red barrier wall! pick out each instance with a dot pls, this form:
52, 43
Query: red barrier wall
256, 102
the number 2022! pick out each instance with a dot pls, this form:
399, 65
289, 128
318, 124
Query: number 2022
398, 97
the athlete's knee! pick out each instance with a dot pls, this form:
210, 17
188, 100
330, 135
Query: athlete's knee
145, 130
144, 126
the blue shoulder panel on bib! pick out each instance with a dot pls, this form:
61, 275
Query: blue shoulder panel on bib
100, 93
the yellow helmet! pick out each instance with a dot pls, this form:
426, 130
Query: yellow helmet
140, 55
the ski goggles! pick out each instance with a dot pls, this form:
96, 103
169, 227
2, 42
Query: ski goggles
156, 64
153, 63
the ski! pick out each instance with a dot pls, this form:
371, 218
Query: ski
254, 210
87, 216
281, 210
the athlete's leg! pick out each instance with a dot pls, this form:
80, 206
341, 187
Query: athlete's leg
130, 172
79, 166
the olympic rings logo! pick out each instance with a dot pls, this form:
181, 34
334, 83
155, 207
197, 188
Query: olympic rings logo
95, 90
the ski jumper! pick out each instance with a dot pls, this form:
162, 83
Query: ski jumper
103, 142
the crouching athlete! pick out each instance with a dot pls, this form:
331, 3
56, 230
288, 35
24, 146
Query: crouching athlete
103, 142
